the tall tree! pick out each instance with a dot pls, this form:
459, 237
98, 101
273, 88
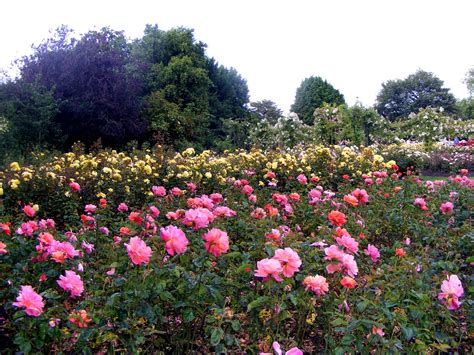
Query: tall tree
94, 84
398, 98
188, 92
313, 93
469, 81
266, 110
228, 97
28, 111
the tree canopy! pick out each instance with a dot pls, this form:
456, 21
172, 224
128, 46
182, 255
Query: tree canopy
398, 98
313, 93
266, 110
161, 87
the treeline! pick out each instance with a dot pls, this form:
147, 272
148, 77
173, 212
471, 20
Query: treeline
103, 89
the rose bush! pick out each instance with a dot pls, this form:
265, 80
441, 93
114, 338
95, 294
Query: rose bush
318, 250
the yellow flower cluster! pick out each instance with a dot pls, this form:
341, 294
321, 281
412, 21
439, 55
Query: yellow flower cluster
110, 171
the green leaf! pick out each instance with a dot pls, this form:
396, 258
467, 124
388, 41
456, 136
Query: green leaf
361, 306
293, 299
235, 324
338, 321
232, 255
112, 298
407, 333
166, 296
216, 336
258, 302
188, 315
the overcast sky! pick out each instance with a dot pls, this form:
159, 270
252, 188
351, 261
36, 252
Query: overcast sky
355, 45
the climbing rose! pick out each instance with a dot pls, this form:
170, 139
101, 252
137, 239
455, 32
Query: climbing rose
446, 208
269, 267
29, 211
349, 243
400, 252
348, 282
302, 179
3, 248
373, 252
361, 196
420, 202
75, 187
80, 318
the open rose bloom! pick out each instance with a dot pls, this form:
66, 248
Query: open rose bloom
451, 291
138, 251
30, 301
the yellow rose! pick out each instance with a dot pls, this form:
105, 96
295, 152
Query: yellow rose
15, 166
14, 183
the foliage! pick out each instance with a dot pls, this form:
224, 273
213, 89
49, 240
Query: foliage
105, 89
228, 97
399, 98
430, 125
27, 112
266, 110
199, 302
365, 124
312, 93
285, 132
465, 109
188, 93
94, 84
469, 81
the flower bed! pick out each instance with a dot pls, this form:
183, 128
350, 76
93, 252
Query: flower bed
271, 257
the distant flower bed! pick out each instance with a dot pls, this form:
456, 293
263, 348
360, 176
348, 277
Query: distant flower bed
439, 157
310, 250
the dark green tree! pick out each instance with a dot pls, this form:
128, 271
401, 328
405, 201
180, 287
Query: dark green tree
363, 123
398, 98
94, 82
27, 111
313, 93
228, 97
266, 110
188, 93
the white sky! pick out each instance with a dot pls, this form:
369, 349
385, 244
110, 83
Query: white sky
355, 45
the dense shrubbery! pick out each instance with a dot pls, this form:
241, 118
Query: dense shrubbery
306, 248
